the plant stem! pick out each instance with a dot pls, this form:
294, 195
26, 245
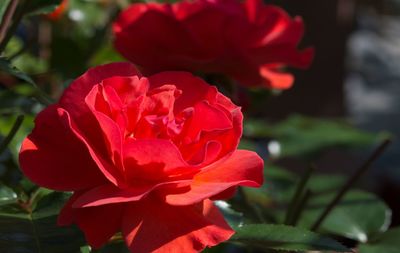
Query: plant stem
11, 134
350, 182
294, 203
5, 23
300, 207
19, 14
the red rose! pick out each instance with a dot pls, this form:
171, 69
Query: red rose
144, 156
248, 41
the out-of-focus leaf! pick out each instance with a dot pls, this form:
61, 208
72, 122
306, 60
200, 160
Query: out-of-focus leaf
282, 237
325, 183
303, 136
247, 144
11, 133
88, 16
359, 216
14, 103
36, 7
106, 54
26, 230
85, 249
30, 64
3, 8
5, 125
388, 242
6, 66
7, 195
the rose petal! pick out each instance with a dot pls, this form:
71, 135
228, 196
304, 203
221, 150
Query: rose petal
154, 160
229, 138
98, 223
241, 168
73, 99
207, 154
111, 131
53, 156
185, 82
128, 88
276, 79
159, 39
151, 226
108, 169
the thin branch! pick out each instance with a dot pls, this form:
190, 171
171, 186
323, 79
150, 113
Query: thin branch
294, 203
5, 23
300, 207
11, 134
19, 14
350, 182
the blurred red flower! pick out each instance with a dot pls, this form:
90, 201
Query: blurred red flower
249, 41
145, 156
58, 12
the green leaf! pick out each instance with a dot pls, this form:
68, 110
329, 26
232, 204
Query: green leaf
247, 144
303, 136
6, 124
12, 132
105, 54
26, 230
85, 249
282, 237
387, 242
325, 183
36, 7
359, 216
7, 195
3, 8
6, 66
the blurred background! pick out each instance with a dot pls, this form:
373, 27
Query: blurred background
355, 75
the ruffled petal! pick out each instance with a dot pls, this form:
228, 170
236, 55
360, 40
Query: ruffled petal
228, 139
206, 118
185, 82
243, 168
111, 132
151, 226
53, 156
73, 100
